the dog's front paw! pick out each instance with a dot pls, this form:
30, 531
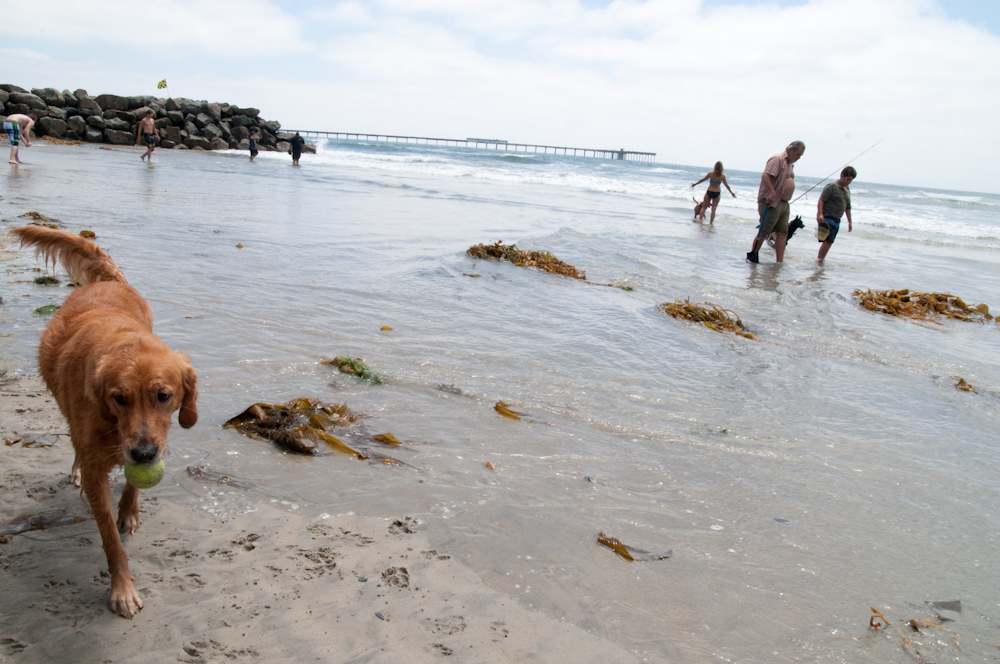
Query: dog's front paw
75, 476
125, 601
128, 521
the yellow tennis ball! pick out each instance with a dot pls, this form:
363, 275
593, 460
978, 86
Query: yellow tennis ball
144, 475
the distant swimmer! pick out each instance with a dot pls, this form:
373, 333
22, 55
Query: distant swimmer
297, 143
716, 179
777, 183
146, 132
15, 126
834, 202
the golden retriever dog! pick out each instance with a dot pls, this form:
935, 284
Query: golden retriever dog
700, 207
116, 383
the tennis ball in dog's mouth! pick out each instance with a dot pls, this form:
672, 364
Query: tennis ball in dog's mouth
144, 475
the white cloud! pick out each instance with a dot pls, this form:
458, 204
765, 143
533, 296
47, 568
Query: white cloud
219, 27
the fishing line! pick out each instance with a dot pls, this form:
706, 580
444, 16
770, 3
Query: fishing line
832, 174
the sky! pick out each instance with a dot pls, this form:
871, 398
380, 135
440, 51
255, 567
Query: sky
695, 81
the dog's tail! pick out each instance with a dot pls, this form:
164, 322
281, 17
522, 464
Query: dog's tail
83, 260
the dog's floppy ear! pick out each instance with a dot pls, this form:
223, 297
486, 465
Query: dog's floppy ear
188, 415
95, 387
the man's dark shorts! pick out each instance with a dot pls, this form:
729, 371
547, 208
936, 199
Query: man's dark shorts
776, 220
834, 227
148, 139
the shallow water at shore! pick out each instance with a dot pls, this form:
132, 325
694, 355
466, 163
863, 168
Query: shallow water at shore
800, 478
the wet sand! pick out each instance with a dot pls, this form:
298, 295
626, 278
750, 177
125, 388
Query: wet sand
269, 585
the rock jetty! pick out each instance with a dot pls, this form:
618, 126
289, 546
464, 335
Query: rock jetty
183, 124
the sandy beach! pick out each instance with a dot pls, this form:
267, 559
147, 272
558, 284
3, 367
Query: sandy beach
270, 585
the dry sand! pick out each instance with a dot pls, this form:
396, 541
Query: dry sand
269, 585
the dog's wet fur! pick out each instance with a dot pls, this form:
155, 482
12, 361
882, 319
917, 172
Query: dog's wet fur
116, 383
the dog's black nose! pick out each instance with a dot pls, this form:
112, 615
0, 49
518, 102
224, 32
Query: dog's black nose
144, 453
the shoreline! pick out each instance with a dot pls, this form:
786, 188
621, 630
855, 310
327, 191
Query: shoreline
267, 585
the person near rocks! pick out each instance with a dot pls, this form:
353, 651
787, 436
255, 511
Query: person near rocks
146, 132
716, 179
15, 126
297, 143
253, 143
776, 186
834, 202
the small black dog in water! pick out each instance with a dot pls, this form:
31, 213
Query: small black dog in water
794, 225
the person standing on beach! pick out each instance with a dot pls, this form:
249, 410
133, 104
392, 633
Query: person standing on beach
833, 203
772, 200
297, 143
715, 179
15, 126
253, 143
146, 132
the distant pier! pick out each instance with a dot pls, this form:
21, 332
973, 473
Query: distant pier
483, 144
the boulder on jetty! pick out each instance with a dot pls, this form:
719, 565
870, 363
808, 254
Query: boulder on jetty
183, 124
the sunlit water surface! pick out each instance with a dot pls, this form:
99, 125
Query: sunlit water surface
799, 479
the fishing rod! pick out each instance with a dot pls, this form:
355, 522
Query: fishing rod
836, 171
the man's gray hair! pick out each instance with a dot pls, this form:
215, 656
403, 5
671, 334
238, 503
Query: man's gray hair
796, 145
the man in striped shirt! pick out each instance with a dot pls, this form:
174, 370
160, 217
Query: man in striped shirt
772, 200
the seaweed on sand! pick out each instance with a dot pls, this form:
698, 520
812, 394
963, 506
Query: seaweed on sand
297, 425
46, 280
47, 309
41, 521
708, 314
63, 141
42, 220
541, 260
355, 366
629, 553
905, 303
961, 384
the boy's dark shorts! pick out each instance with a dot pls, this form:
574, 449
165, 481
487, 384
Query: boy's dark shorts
148, 139
833, 227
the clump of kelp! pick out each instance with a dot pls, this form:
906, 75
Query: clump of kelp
302, 424
356, 366
41, 220
921, 638
47, 309
540, 260
630, 553
710, 315
297, 426
910, 304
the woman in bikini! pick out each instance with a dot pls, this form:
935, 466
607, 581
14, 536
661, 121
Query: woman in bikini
715, 181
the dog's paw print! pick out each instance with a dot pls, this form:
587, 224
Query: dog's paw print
247, 542
396, 576
447, 625
407, 525
443, 649
12, 646
357, 538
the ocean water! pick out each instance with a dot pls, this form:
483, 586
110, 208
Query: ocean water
799, 479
